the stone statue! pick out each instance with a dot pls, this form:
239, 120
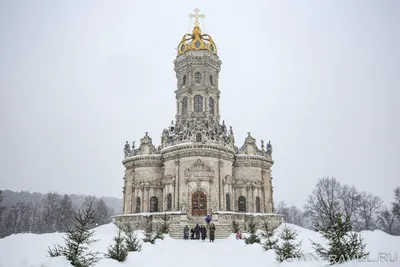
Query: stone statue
127, 149
224, 127
269, 147
230, 130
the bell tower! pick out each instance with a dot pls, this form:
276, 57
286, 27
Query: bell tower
197, 68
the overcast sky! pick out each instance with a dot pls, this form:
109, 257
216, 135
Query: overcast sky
320, 79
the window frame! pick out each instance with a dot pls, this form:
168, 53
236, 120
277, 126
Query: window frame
198, 103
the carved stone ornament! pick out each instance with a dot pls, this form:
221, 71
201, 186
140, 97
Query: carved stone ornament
199, 169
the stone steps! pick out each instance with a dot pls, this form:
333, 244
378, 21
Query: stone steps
222, 231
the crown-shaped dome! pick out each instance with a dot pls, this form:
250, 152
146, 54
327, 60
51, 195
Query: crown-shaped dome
196, 41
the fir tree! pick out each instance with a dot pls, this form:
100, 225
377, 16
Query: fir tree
343, 245
253, 238
235, 226
118, 251
79, 236
288, 249
149, 235
268, 234
163, 227
131, 240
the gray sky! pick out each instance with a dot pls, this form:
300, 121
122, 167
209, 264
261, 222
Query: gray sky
320, 79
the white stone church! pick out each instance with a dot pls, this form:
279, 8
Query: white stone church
198, 169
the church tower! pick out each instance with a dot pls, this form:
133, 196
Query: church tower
197, 170
197, 68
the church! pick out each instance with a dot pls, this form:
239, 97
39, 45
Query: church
198, 169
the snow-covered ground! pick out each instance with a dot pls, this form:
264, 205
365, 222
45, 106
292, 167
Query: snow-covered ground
30, 250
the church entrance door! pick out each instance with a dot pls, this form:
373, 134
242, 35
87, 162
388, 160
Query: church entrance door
199, 204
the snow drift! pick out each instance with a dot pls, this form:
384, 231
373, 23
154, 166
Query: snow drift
30, 250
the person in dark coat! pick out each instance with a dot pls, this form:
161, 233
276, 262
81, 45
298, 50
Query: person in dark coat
197, 232
192, 233
203, 233
186, 233
212, 232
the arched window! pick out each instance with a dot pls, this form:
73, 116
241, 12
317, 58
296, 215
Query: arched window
199, 137
228, 202
258, 205
184, 105
169, 201
242, 203
198, 103
153, 204
184, 79
197, 77
211, 80
211, 105
138, 204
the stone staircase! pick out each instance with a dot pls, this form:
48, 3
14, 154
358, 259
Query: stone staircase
223, 231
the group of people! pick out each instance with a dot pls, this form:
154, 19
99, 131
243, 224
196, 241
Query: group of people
200, 231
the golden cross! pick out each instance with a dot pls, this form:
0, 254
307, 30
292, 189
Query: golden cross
196, 16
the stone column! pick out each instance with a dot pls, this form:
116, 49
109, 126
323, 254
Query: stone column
142, 200
190, 104
253, 200
123, 201
220, 186
177, 184
268, 190
247, 198
265, 190
128, 190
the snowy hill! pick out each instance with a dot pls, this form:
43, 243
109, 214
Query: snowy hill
30, 250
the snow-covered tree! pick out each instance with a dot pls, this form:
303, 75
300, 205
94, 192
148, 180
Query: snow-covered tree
131, 240
287, 247
118, 251
268, 235
343, 245
79, 236
235, 226
149, 235
254, 237
164, 226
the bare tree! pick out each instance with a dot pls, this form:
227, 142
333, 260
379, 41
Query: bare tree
350, 201
387, 222
370, 207
51, 210
103, 212
324, 201
396, 203
1, 205
291, 214
66, 215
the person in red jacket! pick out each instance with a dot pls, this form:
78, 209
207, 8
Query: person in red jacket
238, 235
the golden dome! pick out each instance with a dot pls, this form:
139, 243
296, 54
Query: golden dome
196, 41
